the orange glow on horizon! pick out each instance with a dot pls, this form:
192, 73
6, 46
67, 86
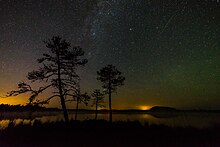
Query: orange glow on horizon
144, 107
14, 100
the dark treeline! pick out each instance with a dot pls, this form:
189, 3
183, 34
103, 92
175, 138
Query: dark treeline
22, 108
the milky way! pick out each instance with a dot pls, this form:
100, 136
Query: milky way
169, 51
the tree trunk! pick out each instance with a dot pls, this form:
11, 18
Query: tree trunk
77, 106
110, 106
64, 109
96, 110
62, 100
110, 99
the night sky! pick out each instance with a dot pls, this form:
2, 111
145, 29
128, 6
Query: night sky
169, 51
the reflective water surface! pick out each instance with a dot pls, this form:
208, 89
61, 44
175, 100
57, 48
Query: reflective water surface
190, 119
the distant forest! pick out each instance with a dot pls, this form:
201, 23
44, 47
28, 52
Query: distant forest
21, 108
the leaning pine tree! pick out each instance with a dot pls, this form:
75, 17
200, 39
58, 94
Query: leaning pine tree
111, 78
58, 71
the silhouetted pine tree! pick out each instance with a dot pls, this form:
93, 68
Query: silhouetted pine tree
97, 100
58, 69
111, 78
80, 98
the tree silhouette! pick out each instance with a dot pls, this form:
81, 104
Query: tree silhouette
58, 69
80, 98
111, 78
26, 88
97, 100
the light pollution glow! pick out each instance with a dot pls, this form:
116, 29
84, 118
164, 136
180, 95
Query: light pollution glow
144, 107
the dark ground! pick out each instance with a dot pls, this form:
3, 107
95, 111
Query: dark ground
101, 134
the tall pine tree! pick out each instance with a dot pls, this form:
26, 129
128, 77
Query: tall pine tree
111, 78
58, 71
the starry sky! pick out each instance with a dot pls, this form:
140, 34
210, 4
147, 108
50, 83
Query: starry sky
169, 51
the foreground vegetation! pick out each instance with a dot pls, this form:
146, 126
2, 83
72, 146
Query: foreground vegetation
104, 133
